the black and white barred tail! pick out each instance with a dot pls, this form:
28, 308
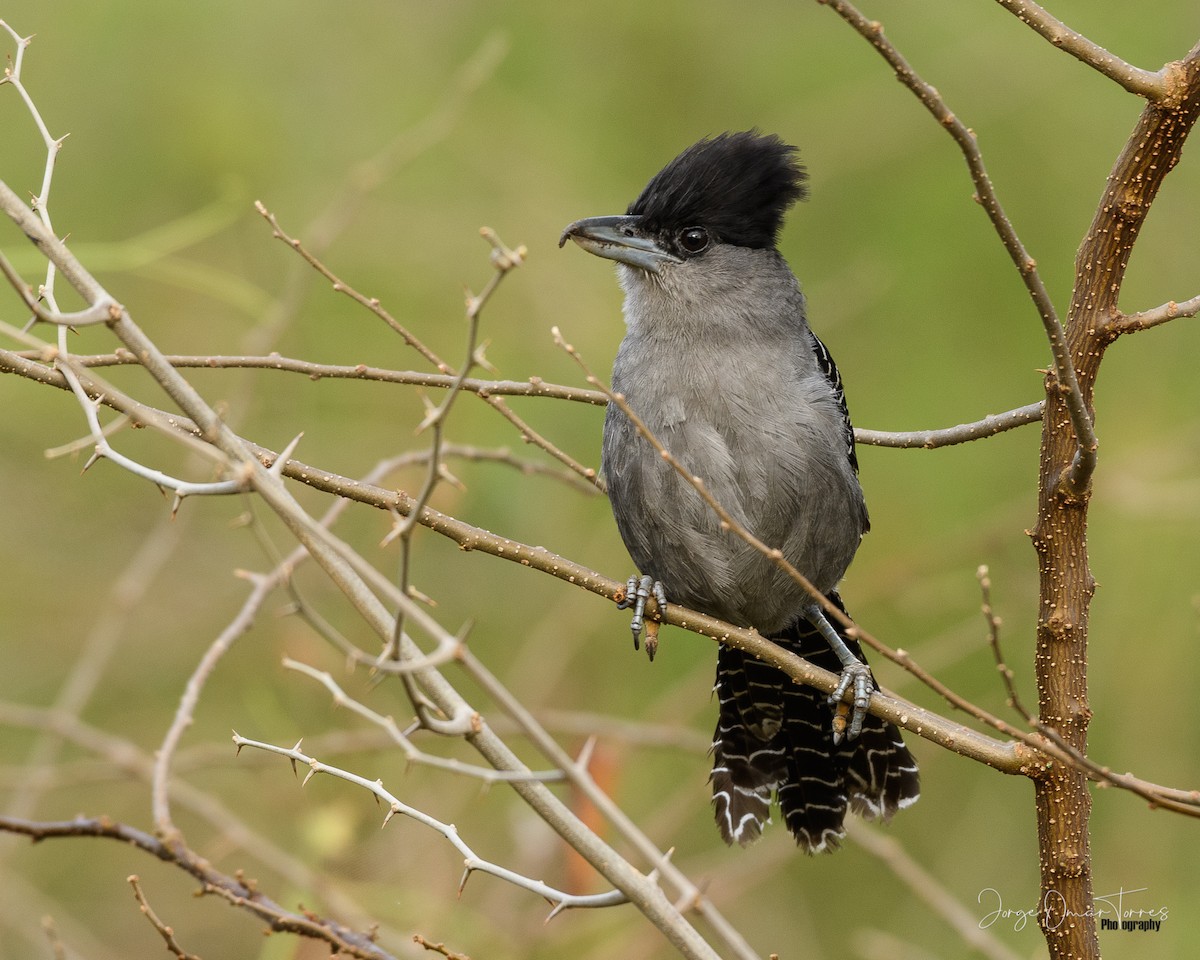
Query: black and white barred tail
774, 739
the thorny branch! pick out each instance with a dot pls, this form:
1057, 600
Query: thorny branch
400, 738
572, 769
471, 861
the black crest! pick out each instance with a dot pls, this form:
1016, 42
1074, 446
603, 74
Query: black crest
736, 185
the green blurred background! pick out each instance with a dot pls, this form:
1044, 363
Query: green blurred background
180, 115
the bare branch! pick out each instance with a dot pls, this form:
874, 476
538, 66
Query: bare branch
989, 426
164, 931
927, 888
12, 76
341, 938
187, 705
102, 448
504, 260
985, 193
1171, 310
537, 387
533, 387
371, 303
438, 948
1177, 801
947, 733
412, 752
99, 312
1144, 83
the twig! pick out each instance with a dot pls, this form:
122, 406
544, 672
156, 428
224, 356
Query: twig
1081, 471
187, 705
234, 890
927, 888
371, 303
166, 932
989, 426
993, 625
504, 260
411, 751
1144, 83
103, 449
533, 387
100, 312
1177, 801
1171, 310
438, 948
12, 76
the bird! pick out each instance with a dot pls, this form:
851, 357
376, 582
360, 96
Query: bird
720, 365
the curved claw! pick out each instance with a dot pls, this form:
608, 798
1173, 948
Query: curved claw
857, 676
637, 591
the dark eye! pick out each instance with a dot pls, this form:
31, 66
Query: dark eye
693, 239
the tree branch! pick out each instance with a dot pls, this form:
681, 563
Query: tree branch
1171, 310
1144, 83
533, 387
1062, 799
989, 426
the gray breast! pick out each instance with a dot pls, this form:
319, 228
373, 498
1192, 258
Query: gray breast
767, 438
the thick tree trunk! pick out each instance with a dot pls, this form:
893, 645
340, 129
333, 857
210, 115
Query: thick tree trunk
1063, 802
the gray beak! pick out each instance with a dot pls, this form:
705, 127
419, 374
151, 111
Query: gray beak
620, 239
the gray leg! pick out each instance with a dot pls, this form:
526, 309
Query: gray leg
637, 591
856, 675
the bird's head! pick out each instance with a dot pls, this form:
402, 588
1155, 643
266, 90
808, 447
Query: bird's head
728, 190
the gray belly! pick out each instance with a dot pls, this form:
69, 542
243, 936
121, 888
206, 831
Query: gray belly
781, 483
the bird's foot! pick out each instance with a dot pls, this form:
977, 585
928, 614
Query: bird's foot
637, 591
856, 677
